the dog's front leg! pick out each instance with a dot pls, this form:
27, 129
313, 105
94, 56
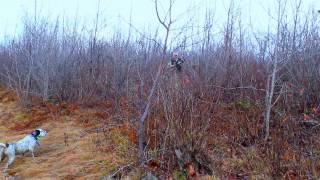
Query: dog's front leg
31, 150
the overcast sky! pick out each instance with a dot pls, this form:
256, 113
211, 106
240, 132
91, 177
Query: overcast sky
117, 13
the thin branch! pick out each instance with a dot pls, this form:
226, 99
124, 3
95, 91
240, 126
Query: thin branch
234, 88
117, 171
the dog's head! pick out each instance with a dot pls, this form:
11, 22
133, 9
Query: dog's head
39, 132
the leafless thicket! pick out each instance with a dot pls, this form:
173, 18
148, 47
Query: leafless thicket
278, 74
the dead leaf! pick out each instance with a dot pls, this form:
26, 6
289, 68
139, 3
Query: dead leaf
286, 156
191, 171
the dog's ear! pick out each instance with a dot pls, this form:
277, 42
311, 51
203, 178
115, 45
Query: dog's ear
36, 132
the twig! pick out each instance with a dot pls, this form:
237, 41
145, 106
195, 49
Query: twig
116, 172
234, 88
312, 122
316, 126
277, 99
98, 130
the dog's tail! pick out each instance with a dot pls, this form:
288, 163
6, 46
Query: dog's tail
2, 148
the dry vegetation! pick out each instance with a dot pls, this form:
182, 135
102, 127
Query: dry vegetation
74, 147
209, 121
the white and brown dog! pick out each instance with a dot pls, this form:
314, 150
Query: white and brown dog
28, 143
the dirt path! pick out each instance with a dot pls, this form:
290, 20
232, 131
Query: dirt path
67, 152
55, 158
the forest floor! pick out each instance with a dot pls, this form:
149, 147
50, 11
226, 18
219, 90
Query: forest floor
93, 142
74, 148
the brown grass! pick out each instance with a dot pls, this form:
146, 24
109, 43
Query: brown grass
72, 149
